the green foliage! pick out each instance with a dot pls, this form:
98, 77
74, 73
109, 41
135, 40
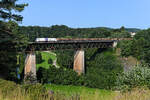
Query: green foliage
9, 90
123, 34
45, 56
11, 41
125, 48
38, 58
102, 70
7, 87
65, 58
62, 31
30, 78
70, 89
137, 76
7, 6
50, 61
132, 29
139, 47
13, 90
120, 33
21, 63
58, 76
34, 91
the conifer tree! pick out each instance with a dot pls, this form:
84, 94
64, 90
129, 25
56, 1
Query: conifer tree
10, 38
6, 8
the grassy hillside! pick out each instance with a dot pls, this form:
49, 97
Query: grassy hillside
9, 90
68, 89
45, 57
84, 92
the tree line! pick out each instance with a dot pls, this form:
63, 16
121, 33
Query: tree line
10, 38
59, 31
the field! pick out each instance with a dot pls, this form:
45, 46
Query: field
70, 93
83, 92
45, 57
12, 91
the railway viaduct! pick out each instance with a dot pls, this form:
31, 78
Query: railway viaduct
78, 44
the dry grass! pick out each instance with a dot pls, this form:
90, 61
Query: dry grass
135, 94
95, 96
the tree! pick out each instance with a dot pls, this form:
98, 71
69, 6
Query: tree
10, 39
39, 58
102, 70
50, 61
6, 8
122, 28
125, 48
138, 47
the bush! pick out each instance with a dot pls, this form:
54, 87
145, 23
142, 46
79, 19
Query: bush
101, 80
9, 89
102, 71
59, 76
65, 58
39, 58
50, 61
137, 76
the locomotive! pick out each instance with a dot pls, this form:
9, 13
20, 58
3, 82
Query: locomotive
77, 39
45, 39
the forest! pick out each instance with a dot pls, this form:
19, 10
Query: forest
57, 31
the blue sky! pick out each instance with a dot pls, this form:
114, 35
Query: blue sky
88, 13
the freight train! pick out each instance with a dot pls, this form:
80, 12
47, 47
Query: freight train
78, 39
45, 39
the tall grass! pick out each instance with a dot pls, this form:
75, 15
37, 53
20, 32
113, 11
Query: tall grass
11, 91
136, 94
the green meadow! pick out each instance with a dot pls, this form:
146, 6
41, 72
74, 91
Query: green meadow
45, 57
70, 90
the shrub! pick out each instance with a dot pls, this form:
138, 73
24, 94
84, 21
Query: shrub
9, 89
59, 76
34, 91
50, 61
65, 59
39, 58
137, 76
102, 71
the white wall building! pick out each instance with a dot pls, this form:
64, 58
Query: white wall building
132, 34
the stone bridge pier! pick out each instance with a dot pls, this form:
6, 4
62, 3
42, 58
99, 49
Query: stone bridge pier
30, 67
79, 63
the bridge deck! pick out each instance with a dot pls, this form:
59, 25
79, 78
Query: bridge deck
65, 40
67, 43
74, 43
